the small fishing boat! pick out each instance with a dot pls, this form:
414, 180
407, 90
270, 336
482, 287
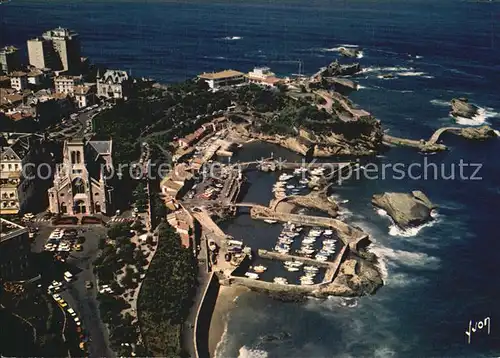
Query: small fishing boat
311, 269
290, 186
252, 275
293, 263
260, 269
270, 221
281, 280
303, 181
291, 268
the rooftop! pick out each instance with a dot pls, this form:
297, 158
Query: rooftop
18, 74
59, 33
8, 230
8, 49
220, 75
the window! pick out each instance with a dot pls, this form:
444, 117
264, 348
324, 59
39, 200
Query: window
16, 166
10, 166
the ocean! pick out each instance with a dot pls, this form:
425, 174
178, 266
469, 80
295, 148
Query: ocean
438, 277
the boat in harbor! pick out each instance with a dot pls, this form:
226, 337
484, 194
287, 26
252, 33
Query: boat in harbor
260, 269
252, 275
294, 263
329, 241
281, 280
285, 177
290, 186
311, 269
319, 257
303, 181
291, 268
269, 221
328, 232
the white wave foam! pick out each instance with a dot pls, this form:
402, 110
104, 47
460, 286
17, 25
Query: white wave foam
358, 87
411, 74
417, 56
497, 132
440, 102
483, 114
245, 352
387, 69
407, 258
348, 45
332, 49
360, 54
232, 38
222, 343
395, 230
381, 212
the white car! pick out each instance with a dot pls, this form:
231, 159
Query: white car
29, 216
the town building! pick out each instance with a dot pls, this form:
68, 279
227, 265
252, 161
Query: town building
66, 84
263, 76
226, 78
57, 49
176, 183
113, 84
81, 185
183, 223
19, 80
20, 186
10, 60
41, 54
15, 251
36, 78
84, 95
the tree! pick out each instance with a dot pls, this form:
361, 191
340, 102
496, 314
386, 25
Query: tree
119, 230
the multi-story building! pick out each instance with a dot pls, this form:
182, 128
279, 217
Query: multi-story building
10, 60
15, 251
84, 95
226, 78
81, 184
113, 84
41, 54
36, 78
57, 49
18, 175
66, 84
19, 80
263, 76
66, 44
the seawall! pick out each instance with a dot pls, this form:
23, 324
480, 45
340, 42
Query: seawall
204, 317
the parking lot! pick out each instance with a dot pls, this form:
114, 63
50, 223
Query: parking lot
79, 294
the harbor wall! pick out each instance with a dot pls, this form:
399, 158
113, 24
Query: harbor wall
204, 317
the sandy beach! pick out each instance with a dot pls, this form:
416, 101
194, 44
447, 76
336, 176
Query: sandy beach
225, 303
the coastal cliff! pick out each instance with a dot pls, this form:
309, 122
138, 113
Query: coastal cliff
406, 209
340, 139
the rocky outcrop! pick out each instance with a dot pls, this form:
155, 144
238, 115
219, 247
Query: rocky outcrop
349, 52
356, 277
313, 200
336, 69
405, 209
460, 107
478, 133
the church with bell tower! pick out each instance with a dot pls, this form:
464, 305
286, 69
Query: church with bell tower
81, 182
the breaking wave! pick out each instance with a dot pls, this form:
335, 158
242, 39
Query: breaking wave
232, 38
440, 102
395, 230
480, 118
245, 352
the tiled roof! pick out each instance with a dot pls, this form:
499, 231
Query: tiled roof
220, 75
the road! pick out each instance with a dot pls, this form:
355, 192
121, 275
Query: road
83, 301
203, 279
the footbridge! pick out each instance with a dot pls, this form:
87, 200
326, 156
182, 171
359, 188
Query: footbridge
425, 145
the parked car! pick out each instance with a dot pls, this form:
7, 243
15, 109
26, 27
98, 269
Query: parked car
88, 285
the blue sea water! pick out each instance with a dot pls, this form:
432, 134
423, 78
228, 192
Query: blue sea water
437, 279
